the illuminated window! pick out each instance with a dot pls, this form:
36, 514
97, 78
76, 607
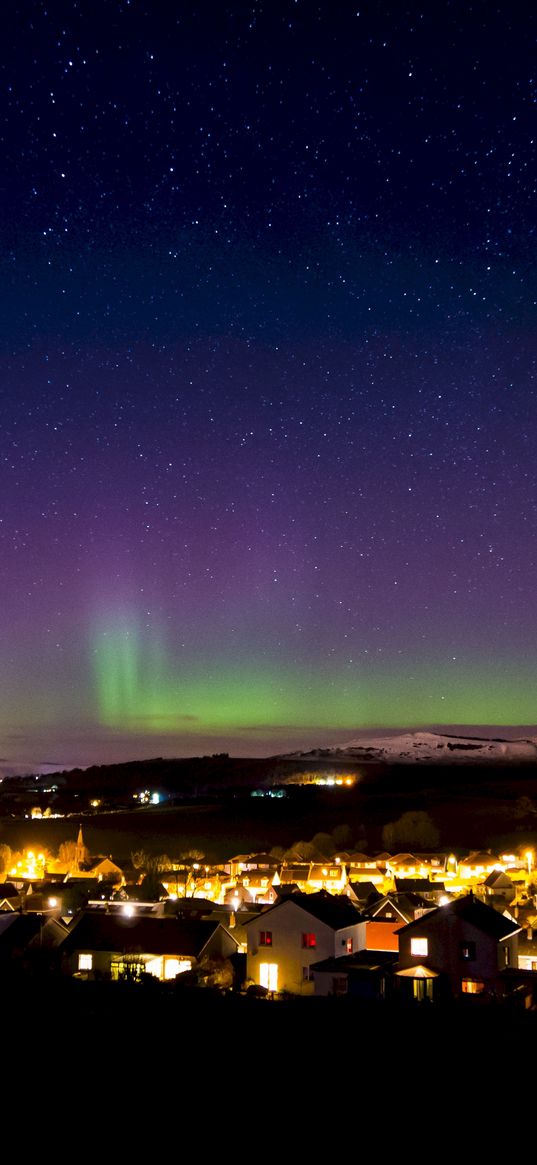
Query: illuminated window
419, 946
154, 967
422, 989
472, 986
349, 946
85, 962
265, 938
468, 951
268, 976
334, 873
173, 967
309, 941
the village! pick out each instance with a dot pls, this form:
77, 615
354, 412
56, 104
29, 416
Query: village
407, 928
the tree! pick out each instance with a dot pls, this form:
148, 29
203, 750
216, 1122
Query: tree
301, 851
323, 844
71, 855
414, 829
5, 858
139, 858
192, 855
524, 809
342, 835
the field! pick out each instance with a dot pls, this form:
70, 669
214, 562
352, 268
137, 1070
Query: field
472, 807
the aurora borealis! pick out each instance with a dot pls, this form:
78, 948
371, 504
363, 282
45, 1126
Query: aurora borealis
267, 374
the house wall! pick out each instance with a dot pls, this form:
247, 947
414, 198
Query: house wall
287, 923
445, 936
102, 962
382, 936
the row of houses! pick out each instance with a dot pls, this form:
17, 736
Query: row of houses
304, 944
319, 945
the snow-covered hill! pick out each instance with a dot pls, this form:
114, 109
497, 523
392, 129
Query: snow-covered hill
431, 748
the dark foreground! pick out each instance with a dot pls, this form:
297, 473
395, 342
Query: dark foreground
202, 1026
118, 1071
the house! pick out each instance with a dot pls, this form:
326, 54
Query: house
500, 886
364, 975
478, 865
299, 930
527, 948
331, 876
466, 945
254, 886
293, 874
433, 892
312, 876
363, 894
126, 945
385, 918
429, 866
360, 868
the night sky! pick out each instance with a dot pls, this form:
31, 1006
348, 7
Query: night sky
268, 344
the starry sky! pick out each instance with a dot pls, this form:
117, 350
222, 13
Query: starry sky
267, 373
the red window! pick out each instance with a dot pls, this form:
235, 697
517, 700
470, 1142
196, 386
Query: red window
349, 946
265, 938
309, 941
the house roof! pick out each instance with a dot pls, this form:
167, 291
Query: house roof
146, 934
297, 872
17, 930
480, 858
404, 860
405, 905
360, 961
8, 890
320, 871
365, 891
418, 886
498, 878
468, 909
335, 911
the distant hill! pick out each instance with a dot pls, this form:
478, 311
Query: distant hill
430, 748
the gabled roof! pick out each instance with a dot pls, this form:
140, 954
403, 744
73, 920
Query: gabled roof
365, 891
498, 878
480, 858
336, 911
472, 911
146, 934
405, 905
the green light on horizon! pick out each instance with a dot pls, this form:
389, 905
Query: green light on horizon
140, 690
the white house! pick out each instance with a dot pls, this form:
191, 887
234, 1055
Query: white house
299, 930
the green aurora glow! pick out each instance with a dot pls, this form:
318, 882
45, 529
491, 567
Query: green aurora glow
139, 689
